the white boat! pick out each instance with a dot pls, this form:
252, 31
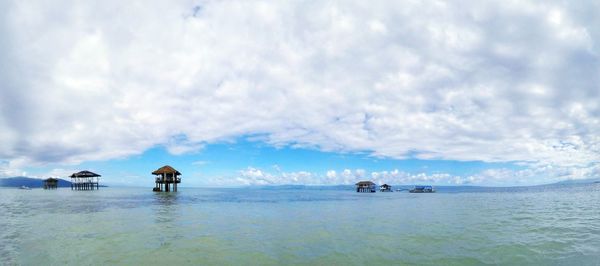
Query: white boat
422, 189
25, 187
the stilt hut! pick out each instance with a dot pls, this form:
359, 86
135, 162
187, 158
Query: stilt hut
165, 177
85, 180
366, 186
385, 188
50, 183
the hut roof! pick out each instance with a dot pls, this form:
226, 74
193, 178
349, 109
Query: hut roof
51, 179
385, 185
365, 183
166, 170
85, 174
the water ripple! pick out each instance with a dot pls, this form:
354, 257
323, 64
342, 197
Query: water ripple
516, 226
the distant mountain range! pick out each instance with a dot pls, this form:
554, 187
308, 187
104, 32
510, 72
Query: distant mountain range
579, 181
29, 182
19, 181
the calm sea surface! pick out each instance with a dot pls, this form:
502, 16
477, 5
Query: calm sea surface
557, 225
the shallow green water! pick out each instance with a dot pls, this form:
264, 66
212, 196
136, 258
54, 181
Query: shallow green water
535, 226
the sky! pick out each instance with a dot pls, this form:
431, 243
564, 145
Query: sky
235, 93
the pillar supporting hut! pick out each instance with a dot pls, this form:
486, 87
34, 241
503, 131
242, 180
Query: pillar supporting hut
166, 179
50, 183
85, 180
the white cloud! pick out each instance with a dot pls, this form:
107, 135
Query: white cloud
490, 81
255, 176
541, 174
331, 174
200, 163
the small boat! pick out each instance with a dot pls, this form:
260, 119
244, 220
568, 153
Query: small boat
25, 188
422, 189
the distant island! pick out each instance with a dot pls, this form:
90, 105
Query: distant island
19, 181
579, 181
29, 182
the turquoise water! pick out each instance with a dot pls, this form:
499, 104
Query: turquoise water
132, 226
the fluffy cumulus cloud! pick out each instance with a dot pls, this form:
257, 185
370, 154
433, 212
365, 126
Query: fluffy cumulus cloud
496, 81
256, 176
494, 177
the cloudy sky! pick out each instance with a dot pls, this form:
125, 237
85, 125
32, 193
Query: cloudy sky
302, 92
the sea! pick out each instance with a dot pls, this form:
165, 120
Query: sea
297, 225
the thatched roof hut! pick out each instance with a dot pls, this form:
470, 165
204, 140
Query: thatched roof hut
385, 188
365, 183
365, 186
85, 180
85, 174
50, 183
167, 176
166, 170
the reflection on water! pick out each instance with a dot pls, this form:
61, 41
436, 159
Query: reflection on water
167, 223
164, 198
165, 208
545, 225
